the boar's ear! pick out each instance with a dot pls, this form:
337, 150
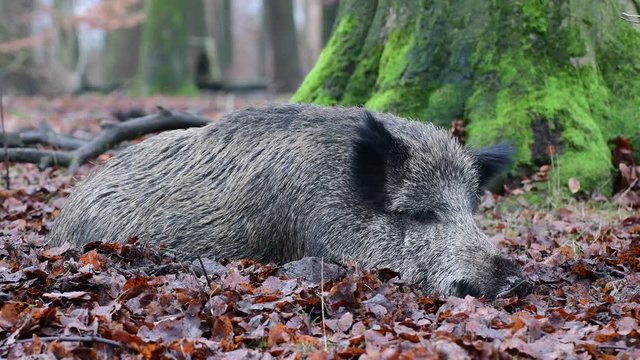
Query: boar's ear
492, 161
376, 154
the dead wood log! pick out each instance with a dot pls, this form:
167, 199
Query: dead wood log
32, 136
29, 137
112, 134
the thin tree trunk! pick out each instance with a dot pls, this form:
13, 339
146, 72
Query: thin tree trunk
329, 14
282, 36
121, 54
165, 66
16, 67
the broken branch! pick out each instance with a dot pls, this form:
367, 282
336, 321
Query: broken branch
112, 135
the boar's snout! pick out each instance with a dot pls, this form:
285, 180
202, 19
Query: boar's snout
509, 280
516, 286
502, 280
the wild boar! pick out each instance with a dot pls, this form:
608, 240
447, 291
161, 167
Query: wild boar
279, 183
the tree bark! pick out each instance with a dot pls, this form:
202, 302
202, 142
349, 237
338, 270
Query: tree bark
282, 37
536, 73
218, 15
329, 14
16, 67
121, 55
165, 66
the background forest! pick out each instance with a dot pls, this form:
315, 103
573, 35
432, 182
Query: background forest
69, 46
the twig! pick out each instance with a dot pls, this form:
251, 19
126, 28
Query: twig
97, 339
627, 17
42, 158
630, 15
612, 347
4, 141
41, 136
206, 276
115, 134
621, 195
324, 328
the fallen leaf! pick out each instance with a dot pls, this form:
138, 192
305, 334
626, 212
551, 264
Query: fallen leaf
574, 185
71, 295
278, 334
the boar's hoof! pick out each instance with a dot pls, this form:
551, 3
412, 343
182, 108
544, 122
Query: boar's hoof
308, 268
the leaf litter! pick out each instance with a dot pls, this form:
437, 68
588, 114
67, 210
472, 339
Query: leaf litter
128, 300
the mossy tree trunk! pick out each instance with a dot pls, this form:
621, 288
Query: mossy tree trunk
329, 13
535, 72
165, 64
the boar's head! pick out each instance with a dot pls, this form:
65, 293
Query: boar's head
427, 185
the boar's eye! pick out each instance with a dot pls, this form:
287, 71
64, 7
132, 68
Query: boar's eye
425, 216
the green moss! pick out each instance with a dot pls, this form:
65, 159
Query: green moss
574, 43
619, 64
326, 82
320, 86
534, 198
535, 15
363, 81
362, 84
446, 103
562, 97
520, 87
394, 93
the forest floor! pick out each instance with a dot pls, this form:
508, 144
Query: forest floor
107, 299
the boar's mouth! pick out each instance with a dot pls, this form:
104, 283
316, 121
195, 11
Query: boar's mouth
505, 281
512, 281
516, 286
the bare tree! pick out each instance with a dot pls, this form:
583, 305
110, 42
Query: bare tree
282, 38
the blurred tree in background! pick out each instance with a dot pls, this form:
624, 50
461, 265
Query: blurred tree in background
16, 60
123, 40
165, 65
282, 35
57, 47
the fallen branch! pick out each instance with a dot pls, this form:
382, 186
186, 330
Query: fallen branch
39, 136
43, 158
96, 339
111, 135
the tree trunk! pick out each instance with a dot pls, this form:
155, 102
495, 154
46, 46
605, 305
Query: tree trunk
16, 67
121, 54
534, 72
282, 37
329, 13
218, 15
165, 66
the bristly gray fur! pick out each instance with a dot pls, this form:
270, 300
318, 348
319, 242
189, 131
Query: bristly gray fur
279, 183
